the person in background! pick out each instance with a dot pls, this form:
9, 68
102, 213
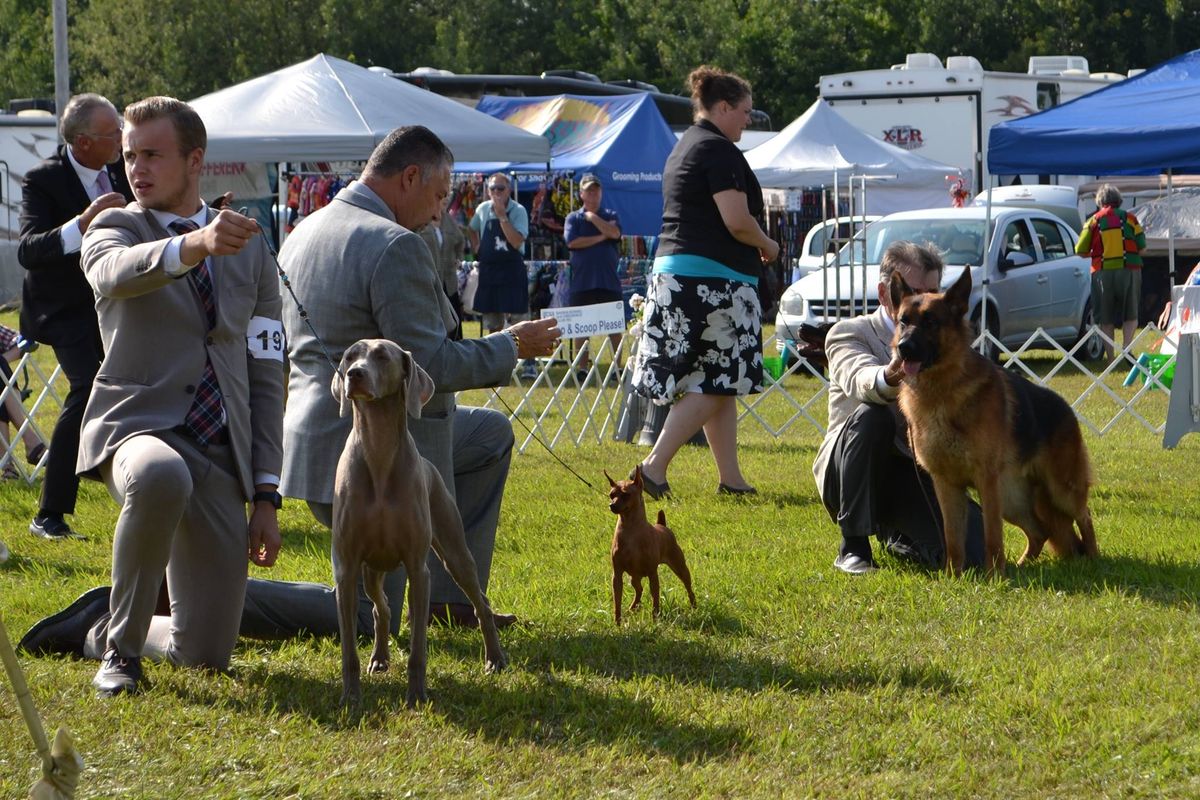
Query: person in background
701, 345
592, 234
1114, 239
446, 242
60, 198
498, 231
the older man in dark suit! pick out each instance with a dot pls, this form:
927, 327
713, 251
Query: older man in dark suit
185, 422
361, 272
59, 199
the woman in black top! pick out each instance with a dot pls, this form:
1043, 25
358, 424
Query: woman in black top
701, 344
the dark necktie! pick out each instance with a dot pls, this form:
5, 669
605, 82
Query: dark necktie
206, 417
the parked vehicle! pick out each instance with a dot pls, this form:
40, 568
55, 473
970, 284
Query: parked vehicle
945, 112
1033, 277
823, 241
1061, 201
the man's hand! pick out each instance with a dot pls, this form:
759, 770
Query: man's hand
893, 373
226, 235
537, 337
264, 539
101, 203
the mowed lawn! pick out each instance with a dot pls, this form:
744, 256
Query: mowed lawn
1061, 680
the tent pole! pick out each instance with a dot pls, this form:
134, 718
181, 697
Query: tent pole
1170, 228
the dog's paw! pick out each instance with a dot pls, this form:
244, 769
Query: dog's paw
416, 696
351, 700
495, 662
378, 665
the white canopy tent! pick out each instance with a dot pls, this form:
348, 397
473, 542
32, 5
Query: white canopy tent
820, 148
327, 109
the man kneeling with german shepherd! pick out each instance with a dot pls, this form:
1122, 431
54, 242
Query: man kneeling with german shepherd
865, 471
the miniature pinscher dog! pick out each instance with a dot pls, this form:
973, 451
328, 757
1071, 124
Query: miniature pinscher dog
639, 547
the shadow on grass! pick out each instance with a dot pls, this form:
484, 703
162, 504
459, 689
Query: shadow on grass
1162, 581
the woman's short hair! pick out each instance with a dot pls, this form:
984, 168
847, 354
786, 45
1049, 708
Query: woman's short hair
1108, 195
710, 86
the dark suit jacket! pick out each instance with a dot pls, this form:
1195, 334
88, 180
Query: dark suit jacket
57, 304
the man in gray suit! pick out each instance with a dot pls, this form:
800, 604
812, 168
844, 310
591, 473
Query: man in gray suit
361, 272
865, 471
446, 242
184, 423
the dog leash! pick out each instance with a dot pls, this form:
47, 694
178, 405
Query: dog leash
304, 316
288, 285
546, 447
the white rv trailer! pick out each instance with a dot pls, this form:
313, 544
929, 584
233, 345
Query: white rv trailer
944, 112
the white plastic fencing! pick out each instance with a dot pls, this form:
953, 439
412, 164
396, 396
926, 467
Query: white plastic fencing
567, 403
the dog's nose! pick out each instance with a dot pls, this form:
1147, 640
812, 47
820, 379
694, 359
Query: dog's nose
908, 349
356, 374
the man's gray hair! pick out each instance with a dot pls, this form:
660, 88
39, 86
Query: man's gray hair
412, 145
1108, 195
77, 116
916, 255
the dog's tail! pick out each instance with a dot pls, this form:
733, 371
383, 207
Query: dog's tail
662, 518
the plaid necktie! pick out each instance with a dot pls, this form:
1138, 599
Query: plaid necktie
206, 417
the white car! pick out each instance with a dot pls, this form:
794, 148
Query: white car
815, 252
1033, 277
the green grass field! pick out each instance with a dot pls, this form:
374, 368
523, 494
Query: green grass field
1061, 680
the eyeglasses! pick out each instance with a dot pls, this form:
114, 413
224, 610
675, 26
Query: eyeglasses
497, 188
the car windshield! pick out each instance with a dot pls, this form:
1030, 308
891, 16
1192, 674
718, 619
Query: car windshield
959, 241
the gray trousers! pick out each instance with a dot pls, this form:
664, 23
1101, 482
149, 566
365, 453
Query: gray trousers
482, 447
183, 513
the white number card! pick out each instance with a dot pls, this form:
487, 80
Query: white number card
264, 338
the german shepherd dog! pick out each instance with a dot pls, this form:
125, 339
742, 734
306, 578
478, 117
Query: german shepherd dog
974, 424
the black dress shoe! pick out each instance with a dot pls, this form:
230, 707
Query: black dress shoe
65, 631
462, 615
724, 488
118, 675
656, 490
854, 564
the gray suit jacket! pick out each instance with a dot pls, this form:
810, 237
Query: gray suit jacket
448, 254
156, 337
856, 348
359, 275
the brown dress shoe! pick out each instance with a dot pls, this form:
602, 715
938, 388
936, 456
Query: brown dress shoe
462, 615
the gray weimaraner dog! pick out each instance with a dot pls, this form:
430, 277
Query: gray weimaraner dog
389, 506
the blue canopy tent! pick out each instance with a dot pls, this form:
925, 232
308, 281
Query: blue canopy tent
623, 140
1143, 125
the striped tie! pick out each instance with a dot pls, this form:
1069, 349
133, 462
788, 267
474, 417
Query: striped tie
206, 417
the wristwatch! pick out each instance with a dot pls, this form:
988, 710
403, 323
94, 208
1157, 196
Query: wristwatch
274, 498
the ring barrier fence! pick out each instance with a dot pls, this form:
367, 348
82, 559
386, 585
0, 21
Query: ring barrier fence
571, 401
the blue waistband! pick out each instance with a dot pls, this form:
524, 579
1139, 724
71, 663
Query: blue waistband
692, 266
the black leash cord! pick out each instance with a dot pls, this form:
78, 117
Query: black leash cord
545, 446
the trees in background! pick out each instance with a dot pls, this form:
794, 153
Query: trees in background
128, 49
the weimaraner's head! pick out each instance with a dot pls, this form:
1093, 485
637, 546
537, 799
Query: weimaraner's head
375, 368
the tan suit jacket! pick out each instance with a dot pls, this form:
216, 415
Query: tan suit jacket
856, 349
156, 338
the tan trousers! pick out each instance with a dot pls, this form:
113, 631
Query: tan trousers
182, 513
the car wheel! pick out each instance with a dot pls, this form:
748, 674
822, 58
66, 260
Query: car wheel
988, 349
1093, 349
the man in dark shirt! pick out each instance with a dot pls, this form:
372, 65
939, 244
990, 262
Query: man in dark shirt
592, 234
59, 199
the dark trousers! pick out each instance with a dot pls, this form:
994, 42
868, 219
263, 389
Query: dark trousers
80, 361
873, 489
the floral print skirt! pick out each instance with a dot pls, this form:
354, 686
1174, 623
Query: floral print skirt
699, 335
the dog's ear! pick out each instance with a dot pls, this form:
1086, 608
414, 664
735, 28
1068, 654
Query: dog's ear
611, 482
418, 386
637, 477
338, 387
898, 289
958, 296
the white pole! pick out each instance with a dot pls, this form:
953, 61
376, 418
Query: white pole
1170, 229
62, 76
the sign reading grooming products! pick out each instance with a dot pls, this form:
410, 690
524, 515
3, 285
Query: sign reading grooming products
595, 320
